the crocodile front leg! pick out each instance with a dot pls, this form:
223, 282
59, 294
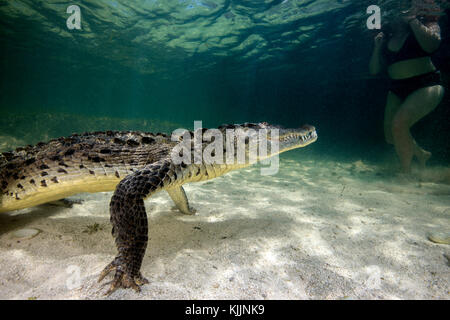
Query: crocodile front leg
180, 199
130, 226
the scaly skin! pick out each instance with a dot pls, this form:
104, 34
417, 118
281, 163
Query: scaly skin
90, 162
134, 164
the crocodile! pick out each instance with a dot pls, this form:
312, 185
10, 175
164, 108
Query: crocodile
135, 165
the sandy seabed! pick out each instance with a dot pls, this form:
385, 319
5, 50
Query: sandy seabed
319, 229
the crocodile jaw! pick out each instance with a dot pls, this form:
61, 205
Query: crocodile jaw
297, 138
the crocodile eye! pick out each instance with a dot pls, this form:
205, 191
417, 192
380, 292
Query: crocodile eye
251, 125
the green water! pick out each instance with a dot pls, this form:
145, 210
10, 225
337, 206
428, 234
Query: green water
158, 65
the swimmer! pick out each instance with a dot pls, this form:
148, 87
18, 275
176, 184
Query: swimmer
415, 87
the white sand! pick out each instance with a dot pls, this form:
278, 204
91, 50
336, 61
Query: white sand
317, 230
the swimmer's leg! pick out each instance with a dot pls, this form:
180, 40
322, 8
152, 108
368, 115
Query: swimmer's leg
393, 104
421, 154
415, 107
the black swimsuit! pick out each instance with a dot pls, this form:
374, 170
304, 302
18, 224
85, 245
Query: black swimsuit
411, 49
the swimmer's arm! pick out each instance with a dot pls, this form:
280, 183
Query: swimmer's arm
428, 36
376, 61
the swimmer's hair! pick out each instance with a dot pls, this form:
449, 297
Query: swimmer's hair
429, 11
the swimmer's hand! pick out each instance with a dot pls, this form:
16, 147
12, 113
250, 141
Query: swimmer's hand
409, 15
379, 40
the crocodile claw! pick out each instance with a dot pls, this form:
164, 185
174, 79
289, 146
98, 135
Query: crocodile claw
189, 212
122, 279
